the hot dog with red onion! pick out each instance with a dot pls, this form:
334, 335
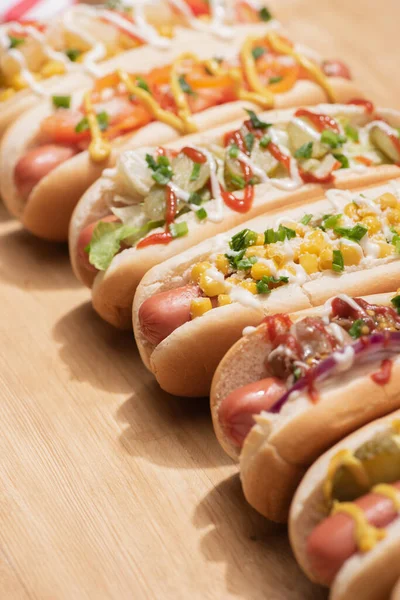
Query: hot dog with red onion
344, 521
307, 380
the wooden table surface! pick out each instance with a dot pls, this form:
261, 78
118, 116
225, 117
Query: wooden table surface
109, 487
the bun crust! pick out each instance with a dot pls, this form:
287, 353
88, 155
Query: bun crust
371, 575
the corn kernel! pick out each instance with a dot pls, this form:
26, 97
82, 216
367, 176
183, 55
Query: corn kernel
309, 262
326, 259
17, 82
393, 216
351, 254
6, 94
258, 271
222, 264
313, 243
198, 270
260, 240
365, 210
224, 300
259, 251
373, 224
199, 306
385, 249
277, 254
250, 286
165, 30
51, 68
351, 211
388, 200
211, 287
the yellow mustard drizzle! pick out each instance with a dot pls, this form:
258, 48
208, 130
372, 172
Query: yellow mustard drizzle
396, 426
344, 458
99, 149
280, 46
384, 489
265, 101
152, 105
366, 535
250, 69
178, 94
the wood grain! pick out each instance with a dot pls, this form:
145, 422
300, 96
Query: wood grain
110, 488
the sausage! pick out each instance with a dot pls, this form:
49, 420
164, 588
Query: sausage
332, 541
336, 68
161, 314
237, 410
37, 163
84, 239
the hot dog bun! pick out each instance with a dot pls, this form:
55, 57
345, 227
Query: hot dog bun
371, 575
45, 224
396, 592
113, 289
201, 343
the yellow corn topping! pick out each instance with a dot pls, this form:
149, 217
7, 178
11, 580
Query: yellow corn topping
52, 68
198, 270
259, 270
224, 300
211, 287
222, 264
99, 149
388, 200
199, 306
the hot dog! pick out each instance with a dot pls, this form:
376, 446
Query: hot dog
328, 362
212, 202
345, 517
284, 261
38, 59
179, 94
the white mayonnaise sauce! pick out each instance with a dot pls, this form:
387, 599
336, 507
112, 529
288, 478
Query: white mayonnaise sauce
344, 360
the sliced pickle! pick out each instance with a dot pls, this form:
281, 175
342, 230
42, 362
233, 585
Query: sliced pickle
380, 458
299, 135
264, 160
134, 175
382, 140
155, 203
182, 167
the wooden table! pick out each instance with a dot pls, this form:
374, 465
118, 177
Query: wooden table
110, 488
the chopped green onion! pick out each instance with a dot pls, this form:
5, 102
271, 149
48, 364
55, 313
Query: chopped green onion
306, 219
275, 79
354, 234
344, 161
351, 133
201, 214
396, 303
249, 141
263, 286
264, 14
16, 41
283, 233
356, 329
257, 52
61, 101
332, 139
243, 240
255, 121
237, 181
102, 119
73, 54
338, 262
305, 151
195, 198
233, 151
246, 263
162, 172
195, 172
185, 87
141, 83
179, 229
265, 140
330, 221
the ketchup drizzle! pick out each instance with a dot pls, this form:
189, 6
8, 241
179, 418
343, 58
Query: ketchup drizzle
382, 377
369, 107
194, 155
320, 122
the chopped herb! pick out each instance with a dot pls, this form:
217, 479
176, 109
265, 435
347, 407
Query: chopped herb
185, 87
201, 214
306, 219
102, 119
178, 229
246, 263
396, 241
351, 133
338, 262
233, 151
264, 14
354, 234
195, 198
332, 139
264, 285
141, 83
61, 101
162, 172
243, 240
265, 140
275, 79
305, 151
195, 172
237, 181
257, 52
73, 54
249, 141
297, 374
330, 221
396, 303
255, 121
344, 161
16, 41
283, 233
356, 329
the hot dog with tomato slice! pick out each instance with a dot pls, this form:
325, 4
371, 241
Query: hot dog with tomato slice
344, 523
163, 99
299, 383
171, 197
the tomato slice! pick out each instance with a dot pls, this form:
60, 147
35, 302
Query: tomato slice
198, 7
245, 13
60, 127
